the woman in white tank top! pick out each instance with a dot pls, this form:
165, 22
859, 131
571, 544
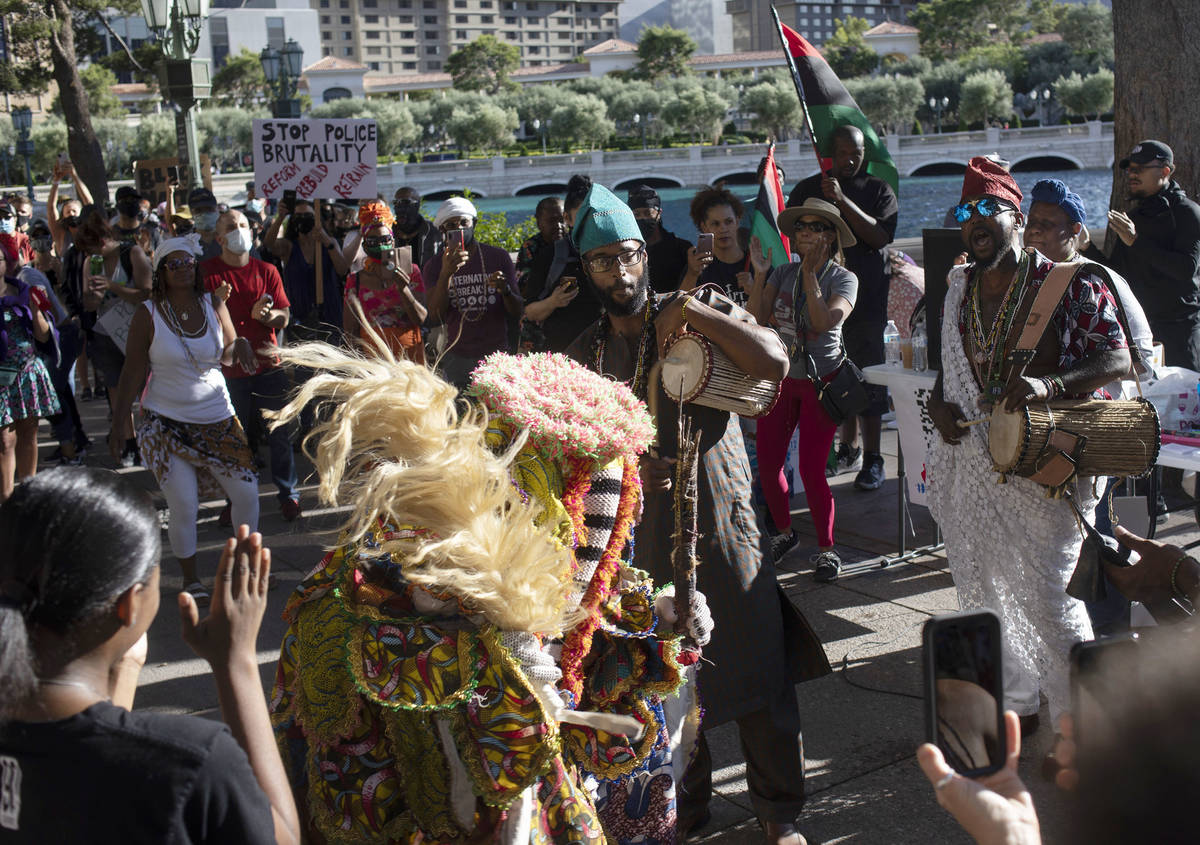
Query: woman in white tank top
189, 437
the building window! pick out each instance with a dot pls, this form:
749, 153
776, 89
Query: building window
534, 51
344, 20
460, 34
408, 33
509, 5
371, 35
564, 36
533, 21
219, 33
535, 35
485, 4
410, 65
430, 34
324, 4
434, 65
325, 19
404, 4
348, 51
275, 37
487, 18
347, 35
374, 51
513, 36
531, 5
408, 51
510, 21
431, 19
460, 4
370, 4
564, 51
326, 36
326, 51
460, 18
343, 4
371, 18
431, 50
373, 65
405, 18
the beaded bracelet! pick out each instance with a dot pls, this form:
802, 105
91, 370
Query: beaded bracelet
1050, 386
1175, 573
683, 308
1058, 382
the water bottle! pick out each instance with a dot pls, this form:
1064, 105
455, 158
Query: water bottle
1174, 423
920, 348
891, 344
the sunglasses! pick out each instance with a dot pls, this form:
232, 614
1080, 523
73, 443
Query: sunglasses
406, 202
984, 207
814, 226
604, 263
378, 243
180, 263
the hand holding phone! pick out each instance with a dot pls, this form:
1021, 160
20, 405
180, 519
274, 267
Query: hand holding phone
964, 691
704, 244
456, 239
289, 200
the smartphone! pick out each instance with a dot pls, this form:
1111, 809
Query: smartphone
63, 159
568, 283
96, 265
964, 691
289, 200
1102, 671
704, 244
457, 239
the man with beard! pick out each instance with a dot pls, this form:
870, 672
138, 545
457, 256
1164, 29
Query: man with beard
869, 206
1009, 547
745, 677
474, 293
666, 254
413, 230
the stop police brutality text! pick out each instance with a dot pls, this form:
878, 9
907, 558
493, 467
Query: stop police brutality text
304, 142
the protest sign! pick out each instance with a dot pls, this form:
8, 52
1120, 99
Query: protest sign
154, 177
320, 159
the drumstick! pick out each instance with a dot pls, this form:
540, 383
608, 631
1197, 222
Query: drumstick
969, 423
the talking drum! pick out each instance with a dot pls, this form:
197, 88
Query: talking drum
697, 371
1051, 444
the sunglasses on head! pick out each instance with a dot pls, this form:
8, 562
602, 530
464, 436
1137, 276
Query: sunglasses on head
814, 226
984, 207
604, 263
180, 263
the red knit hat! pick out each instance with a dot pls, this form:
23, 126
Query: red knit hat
985, 177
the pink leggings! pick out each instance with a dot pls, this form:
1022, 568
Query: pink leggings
797, 408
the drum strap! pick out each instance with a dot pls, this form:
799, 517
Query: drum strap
1048, 297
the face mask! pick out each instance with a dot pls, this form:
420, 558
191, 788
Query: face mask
305, 223
71, 221
129, 209
647, 227
254, 205
238, 241
408, 215
8, 225
376, 247
468, 235
42, 244
23, 220
206, 221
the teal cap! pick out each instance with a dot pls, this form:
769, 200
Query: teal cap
603, 219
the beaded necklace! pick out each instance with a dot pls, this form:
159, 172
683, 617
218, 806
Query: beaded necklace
645, 343
988, 360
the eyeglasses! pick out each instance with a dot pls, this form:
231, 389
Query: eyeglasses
180, 263
378, 243
406, 201
984, 207
814, 226
604, 263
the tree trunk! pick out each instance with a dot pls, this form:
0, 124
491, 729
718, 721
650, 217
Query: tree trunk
1157, 94
82, 144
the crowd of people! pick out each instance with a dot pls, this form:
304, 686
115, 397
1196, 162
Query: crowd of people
520, 541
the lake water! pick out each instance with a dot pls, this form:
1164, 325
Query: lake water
923, 200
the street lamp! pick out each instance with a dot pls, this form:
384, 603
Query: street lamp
939, 104
637, 121
537, 127
282, 71
22, 119
1041, 102
185, 80
7, 154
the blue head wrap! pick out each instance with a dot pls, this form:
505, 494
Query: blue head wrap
602, 220
1056, 192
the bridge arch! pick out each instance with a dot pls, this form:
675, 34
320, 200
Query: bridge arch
938, 167
446, 193
738, 177
1048, 161
654, 181
540, 189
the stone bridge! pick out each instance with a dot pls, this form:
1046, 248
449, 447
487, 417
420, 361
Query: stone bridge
1067, 147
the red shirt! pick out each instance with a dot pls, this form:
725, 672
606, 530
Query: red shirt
18, 244
248, 284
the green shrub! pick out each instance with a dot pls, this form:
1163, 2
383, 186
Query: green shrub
491, 227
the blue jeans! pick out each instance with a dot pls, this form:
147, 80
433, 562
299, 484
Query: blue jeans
66, 425
1111, 615
268, 391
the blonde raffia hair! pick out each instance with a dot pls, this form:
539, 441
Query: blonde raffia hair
399, 447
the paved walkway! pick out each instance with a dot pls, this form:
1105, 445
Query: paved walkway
861, 724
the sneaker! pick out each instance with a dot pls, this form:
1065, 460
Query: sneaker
781, 544
849, 458
828, 566
87, 395
225, 517
871, 476
290, 508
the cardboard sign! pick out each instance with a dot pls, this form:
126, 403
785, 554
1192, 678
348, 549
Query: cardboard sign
153, 177
320, 159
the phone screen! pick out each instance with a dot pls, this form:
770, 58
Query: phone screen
457, 239
568, 283
964, 691
289, 199
704, 244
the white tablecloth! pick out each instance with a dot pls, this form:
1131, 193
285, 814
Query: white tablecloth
910, 391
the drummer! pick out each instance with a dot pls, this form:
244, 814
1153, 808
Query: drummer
746, 673
1009, 547
825, 291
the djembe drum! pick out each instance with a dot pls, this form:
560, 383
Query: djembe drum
696, 370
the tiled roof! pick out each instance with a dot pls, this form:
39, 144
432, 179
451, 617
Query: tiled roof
334, 63
892, 28
612, 45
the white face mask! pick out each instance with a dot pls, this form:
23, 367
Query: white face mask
238, 241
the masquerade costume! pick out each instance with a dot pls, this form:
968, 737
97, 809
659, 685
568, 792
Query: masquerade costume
474, 658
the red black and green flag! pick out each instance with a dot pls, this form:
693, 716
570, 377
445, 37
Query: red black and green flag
767, 205
827, 104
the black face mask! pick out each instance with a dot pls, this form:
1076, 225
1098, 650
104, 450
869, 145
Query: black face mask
305, 223
71, 221
130, 210
23, 220
408, 215
648, 228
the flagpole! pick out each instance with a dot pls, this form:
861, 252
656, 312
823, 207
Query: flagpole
787, 54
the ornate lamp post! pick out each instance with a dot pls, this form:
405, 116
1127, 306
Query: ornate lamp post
1041, 101
537, 127
637, 121
185, 80
939, 104
282, 70
22, 119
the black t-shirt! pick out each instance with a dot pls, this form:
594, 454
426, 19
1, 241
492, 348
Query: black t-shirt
876, 198
668, 262
725, 274
107, 775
